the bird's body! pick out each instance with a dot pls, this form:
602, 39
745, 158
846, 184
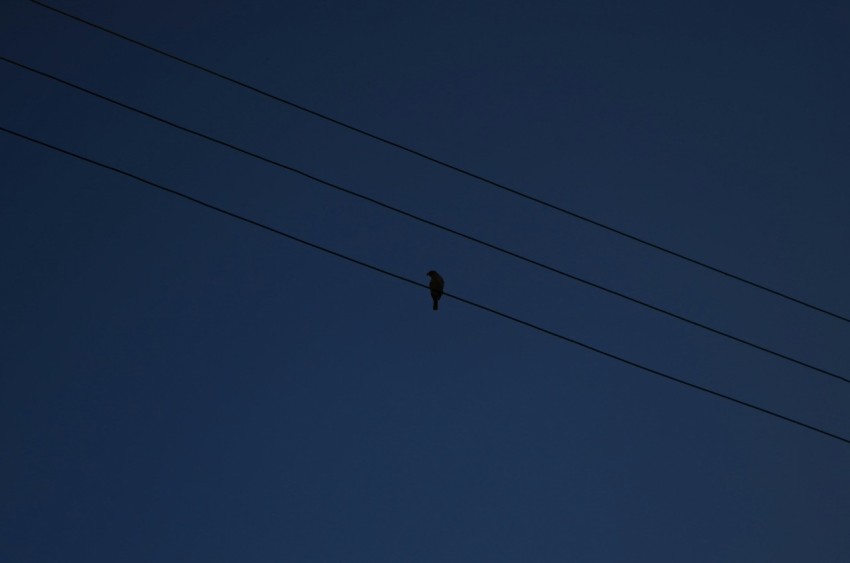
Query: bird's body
436, 286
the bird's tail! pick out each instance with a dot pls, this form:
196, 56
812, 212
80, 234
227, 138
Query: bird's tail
435, 305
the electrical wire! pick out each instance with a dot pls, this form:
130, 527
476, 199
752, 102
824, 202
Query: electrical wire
423, 220
421, 285
448, 165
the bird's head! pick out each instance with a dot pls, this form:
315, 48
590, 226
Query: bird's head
432, 273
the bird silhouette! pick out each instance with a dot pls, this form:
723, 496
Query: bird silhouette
436, 286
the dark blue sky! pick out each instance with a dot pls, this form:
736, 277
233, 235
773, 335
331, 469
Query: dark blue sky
179, 386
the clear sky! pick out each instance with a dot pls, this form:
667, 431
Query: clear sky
181, 386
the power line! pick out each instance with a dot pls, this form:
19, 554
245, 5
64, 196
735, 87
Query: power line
423, 220
448, 165
421, 285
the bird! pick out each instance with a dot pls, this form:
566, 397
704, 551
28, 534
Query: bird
436, 286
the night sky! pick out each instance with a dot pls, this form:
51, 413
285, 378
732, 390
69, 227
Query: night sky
178, 385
